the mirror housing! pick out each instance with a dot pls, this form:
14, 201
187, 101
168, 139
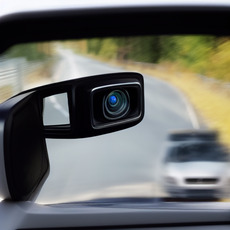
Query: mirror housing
85, 102
24, 163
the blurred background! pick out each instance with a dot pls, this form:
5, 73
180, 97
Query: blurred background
187, 100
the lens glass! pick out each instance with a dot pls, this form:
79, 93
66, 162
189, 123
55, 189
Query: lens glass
112, 100
116, 104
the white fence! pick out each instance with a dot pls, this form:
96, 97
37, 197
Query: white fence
12, 75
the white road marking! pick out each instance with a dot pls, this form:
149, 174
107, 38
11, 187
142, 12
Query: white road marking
191, 113
145, 189
58, 106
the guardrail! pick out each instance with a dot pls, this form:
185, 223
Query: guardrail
12, 75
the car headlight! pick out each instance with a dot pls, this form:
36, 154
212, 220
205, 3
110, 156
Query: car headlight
170, 180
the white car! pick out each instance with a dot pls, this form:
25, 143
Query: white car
196, 166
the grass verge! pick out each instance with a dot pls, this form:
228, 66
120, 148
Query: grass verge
5, 92
40, 76
210, 98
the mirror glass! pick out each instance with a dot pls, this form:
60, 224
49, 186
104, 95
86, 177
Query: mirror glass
56, 110
179, 152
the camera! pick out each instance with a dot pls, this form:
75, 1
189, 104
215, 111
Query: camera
96, 105
115, 104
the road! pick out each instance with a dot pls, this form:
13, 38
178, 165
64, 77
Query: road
124, 163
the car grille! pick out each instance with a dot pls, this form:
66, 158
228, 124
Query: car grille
201, 180
200, 193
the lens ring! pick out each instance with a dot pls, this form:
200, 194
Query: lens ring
116, 104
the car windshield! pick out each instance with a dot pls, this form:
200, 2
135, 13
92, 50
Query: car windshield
187, 87
198, 152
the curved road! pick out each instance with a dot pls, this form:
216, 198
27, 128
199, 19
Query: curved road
118, 164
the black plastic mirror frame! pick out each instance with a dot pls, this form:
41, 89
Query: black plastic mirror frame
24, 158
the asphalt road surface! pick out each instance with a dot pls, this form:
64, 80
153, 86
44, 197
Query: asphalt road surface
120, 164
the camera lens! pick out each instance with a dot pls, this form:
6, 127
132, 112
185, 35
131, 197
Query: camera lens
116, 104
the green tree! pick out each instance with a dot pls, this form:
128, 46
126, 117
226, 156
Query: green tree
94, 45
192, 52
31, 51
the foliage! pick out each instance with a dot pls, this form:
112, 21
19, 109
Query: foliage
206, 55
220, 61
94, 46
32, 51
192, 52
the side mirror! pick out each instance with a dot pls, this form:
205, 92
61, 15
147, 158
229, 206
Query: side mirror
96, 105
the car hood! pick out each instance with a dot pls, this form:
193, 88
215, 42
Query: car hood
197, 169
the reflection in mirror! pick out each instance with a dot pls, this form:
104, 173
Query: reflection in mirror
56, 110
186, 93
